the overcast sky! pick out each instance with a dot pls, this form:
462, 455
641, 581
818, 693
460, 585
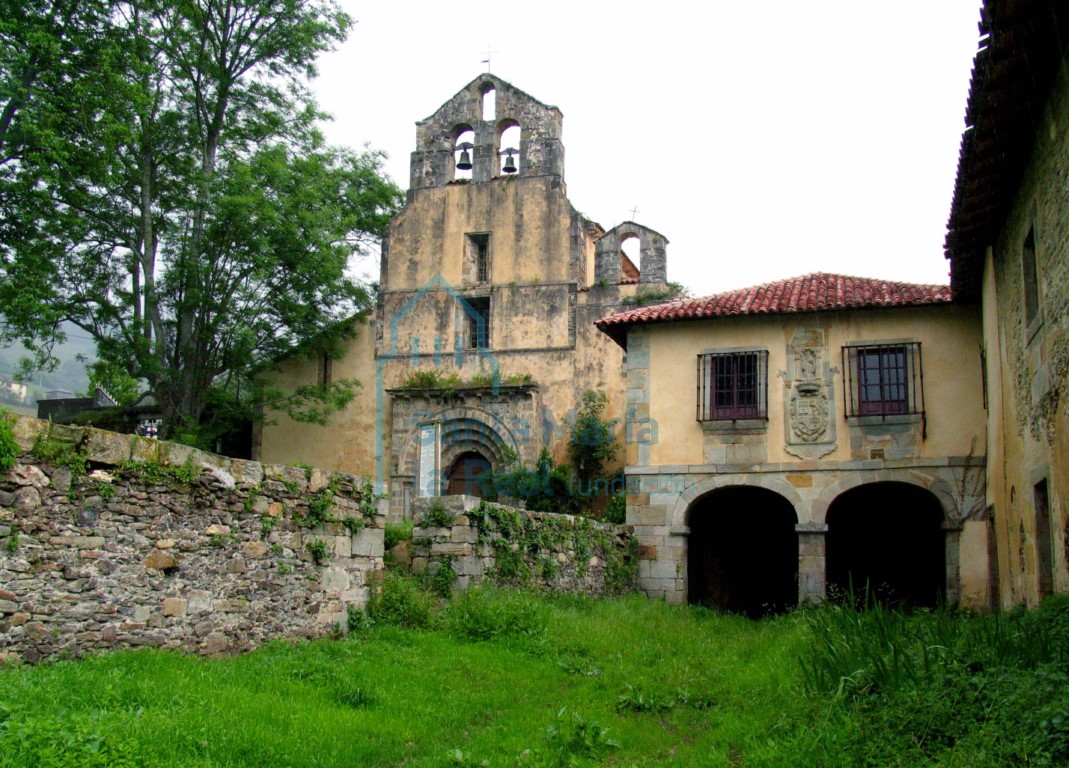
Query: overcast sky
763, 139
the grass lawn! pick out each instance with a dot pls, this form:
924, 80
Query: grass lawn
672, 685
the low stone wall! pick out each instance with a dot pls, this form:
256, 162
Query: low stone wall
117, 541
480, 541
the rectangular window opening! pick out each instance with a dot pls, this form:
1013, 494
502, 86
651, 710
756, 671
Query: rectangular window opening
883, 380
477, 257
733, 386
478, 311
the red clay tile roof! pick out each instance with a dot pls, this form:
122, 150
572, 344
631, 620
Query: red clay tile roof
815, 292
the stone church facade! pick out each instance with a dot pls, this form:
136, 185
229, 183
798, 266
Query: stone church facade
482, 341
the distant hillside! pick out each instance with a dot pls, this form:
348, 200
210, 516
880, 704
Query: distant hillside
69, 375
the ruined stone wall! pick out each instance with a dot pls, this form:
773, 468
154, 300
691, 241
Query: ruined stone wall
119, 542
493, 542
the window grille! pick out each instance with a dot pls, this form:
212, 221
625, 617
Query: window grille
883, 380
732, 386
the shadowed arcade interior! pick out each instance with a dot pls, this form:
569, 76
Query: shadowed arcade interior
742, 552
888, 538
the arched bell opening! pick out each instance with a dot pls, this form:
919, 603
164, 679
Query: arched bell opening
463, 145
509, 136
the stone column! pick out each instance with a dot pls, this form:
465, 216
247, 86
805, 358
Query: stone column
812, 554
952, 531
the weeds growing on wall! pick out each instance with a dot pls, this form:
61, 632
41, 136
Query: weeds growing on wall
160, 473
318, 551
518, 539
54, 452
436, 516
441, 581
9, 449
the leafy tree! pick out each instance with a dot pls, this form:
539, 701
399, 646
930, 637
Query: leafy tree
123, 387
592, 438
164, 187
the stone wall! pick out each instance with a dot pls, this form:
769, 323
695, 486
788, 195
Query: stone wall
559, 553
119, 542
1028, 369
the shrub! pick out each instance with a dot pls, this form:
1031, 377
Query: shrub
397, 533
401, 602
488, 613
436, 516
432, 378
9, 449
441, 581
616, 511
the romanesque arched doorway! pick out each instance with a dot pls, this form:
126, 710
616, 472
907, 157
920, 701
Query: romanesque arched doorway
887, 538
463, 476
742, 551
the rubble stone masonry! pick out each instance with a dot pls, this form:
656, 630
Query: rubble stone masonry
124, 542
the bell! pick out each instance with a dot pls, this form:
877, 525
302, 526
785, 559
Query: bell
464, 163
510, 164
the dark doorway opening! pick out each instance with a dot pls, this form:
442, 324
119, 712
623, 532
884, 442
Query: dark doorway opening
886, 542
742, 553
464, 475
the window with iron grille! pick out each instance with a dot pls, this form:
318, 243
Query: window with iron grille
883, 379
733, 385
478, 322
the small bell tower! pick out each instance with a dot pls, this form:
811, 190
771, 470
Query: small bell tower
490, 130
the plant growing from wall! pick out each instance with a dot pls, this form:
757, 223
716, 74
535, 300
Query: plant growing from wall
437, 516
155, 472
317, 550
319, 506
58, 453
672, 292
9, 449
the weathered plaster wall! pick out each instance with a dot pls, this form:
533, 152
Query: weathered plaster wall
1028, 367
529, 220
953, 390
493, 542
346, 443
220, 564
